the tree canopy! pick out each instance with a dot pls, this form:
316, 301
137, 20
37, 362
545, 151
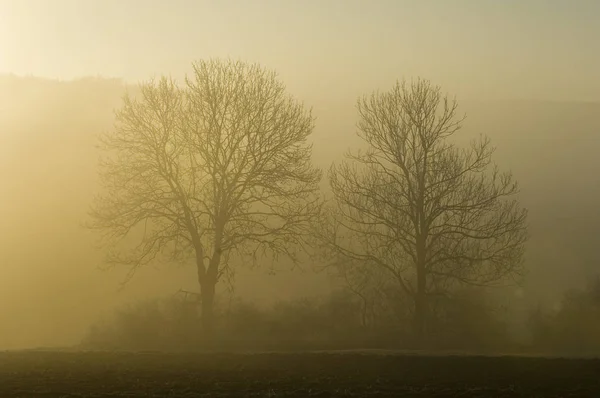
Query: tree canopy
219, 166
429, 212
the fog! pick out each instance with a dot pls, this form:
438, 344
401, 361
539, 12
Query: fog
525, 74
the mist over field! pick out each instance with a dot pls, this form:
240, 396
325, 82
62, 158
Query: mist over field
52, 289
66, 67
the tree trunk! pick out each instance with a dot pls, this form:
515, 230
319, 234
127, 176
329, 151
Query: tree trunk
207, 295
420, 318
207, 282
207, 279
421, 309
422, 231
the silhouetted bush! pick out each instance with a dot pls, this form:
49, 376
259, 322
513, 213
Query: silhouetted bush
469, 320
571, 329
464, 321
167, 324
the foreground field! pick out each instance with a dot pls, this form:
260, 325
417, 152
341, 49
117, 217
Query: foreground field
341, 374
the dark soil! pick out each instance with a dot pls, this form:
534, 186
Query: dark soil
337, 374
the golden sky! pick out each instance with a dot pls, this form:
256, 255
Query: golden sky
532, 49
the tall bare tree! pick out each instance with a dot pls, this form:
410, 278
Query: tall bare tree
217, 168
431, 213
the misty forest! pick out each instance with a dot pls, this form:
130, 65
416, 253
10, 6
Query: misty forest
416, 234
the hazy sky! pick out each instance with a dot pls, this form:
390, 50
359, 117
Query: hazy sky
475, 48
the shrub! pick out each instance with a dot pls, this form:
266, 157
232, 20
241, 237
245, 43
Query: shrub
572, 328
333, 322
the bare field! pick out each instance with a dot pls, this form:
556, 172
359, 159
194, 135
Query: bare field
317, 374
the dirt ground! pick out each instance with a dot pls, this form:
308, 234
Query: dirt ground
339, 374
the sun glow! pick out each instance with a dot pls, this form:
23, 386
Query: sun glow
4, 41
13, 35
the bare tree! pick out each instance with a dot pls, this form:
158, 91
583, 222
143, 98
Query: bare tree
427, 211
217, 168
